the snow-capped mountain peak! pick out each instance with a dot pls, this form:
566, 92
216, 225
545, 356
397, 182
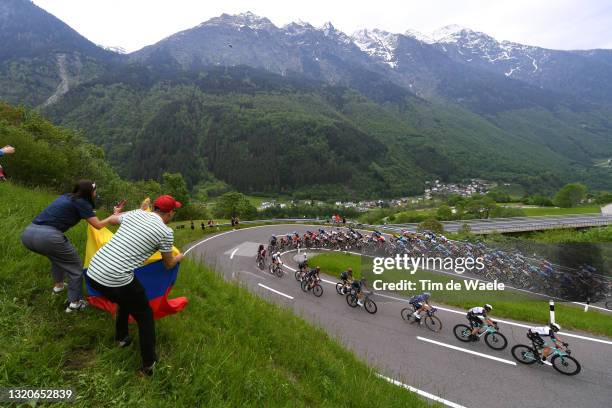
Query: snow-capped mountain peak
448, 33
328, 28
377, 43
241, 20
417, 35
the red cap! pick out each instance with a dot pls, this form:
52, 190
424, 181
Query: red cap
167, 203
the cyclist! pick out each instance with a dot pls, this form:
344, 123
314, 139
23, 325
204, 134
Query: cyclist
359, 286
261, 253
477, 316
312, 277
420, 303
273, 241
276, 258
347, 279
302, 265
537, 334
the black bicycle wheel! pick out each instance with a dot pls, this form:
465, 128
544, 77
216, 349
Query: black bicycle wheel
297, 276
351, 300
406, 313
462, 332
304, 285
370, 306
433, 323
496, 341
524, 354
339, 287
317, 290
279, 271
567, 365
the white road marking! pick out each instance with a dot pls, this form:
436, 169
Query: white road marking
233, 253
275, 291
450, 346
421, 392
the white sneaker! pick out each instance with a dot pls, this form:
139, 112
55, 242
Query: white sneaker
360, 303
58, 289
76, 306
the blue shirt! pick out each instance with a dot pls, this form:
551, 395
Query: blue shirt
65, 212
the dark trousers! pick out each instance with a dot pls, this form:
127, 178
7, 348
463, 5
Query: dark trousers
132, 300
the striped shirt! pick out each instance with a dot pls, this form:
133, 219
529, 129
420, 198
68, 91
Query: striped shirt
140, 235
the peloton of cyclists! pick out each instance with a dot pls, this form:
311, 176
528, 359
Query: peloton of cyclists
477, 316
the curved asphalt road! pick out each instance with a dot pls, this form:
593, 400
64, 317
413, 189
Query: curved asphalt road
414, 355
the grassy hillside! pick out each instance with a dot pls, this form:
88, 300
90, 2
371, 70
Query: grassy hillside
227, 348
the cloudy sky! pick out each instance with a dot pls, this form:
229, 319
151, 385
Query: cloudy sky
559, 24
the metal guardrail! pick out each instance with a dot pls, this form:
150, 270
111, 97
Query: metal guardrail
518, 224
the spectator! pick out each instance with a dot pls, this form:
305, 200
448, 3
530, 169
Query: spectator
111, 271
192, 226
45, 236
4, 151
202, 225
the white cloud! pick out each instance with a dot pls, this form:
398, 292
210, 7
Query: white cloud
561, 24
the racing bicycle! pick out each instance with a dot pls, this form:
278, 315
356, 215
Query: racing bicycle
432, 321
492, 336
561, 360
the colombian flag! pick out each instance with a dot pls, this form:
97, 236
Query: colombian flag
156, 279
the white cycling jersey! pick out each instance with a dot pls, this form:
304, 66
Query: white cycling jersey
276, 257
542, 331
478, 311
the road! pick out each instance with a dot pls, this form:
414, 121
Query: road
518, 224
463, 375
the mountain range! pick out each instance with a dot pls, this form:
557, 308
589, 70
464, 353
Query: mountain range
312, 109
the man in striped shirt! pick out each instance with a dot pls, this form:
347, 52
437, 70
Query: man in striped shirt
111, 270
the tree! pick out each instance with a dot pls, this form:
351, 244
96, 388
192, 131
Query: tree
540, 200
603, 198
234, 204
444, 213
570, 195
174, 185
431, 224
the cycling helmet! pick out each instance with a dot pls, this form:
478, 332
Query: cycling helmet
349, 270
555, 327
488, 307
427, 295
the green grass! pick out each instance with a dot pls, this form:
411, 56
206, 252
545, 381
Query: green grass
227, 348
508, 303
589, 209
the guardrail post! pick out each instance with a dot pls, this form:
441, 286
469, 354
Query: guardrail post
551, 304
